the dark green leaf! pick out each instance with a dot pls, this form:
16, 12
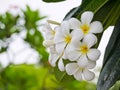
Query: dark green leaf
111, 69
52, 0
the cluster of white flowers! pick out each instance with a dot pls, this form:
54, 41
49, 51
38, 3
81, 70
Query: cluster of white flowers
74, 40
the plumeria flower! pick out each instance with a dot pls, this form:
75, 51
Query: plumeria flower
78, 72
49, 32
85, 25
82, 51
64, 37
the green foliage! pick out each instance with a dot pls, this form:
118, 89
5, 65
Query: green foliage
32, 17
49, 1
34, 37
31, 77
7, 25
116, 86
111, 71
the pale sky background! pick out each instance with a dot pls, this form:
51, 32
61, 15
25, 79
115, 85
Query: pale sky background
54, 11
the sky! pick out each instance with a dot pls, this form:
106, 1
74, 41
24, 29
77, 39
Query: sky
54, 11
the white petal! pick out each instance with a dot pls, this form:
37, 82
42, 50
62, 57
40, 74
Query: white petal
87, 17
60, 47
48, 43
77, 35
47, 27
88, 75
93, 54
53, 58
74, 23
91, 64
76, 45
61, 65
52, 49
65, 27
71, 68
83, 61
78, 75
74, 55
90, 40
48, 35
59, 37
96, 27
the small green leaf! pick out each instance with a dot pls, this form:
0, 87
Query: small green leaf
49, 1
111, 69
116, 86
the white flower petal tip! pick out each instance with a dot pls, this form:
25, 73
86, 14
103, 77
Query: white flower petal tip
78, 75
74, 23
71, 68
88, 75
61, 65
48, 43
96, 27
52, 59
87, 17
93, 54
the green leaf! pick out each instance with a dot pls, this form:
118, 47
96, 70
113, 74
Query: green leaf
62, 76
105, 11
49, 1
111, 68
116, 86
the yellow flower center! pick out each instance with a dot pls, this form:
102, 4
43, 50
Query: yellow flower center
85, 28
53, 32
84, 49
68, 39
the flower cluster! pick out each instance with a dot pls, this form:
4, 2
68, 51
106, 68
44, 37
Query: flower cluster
74, 40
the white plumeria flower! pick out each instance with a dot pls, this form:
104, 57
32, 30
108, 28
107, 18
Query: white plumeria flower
82, 51
85, 25
49, 32
64, 37
78, 72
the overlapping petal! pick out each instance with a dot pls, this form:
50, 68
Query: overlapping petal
53, 58
61, 65
90, 40
60, 47
71, 68
83, 61
93, 54
78, 75
74, 23
88, 75
65, 28
73, 55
